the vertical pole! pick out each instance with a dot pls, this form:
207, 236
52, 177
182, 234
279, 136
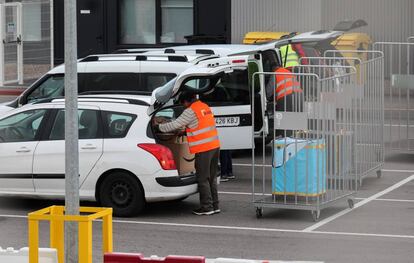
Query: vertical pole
33, 241
52, 39
2, 24
107, 233
56, 232
19, 35
85, 242
71, 132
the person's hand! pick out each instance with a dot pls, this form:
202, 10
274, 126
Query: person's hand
181, 132
158, 120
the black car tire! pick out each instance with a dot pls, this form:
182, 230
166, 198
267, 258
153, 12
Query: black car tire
122, 192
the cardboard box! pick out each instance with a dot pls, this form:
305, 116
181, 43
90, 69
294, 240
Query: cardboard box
184, 160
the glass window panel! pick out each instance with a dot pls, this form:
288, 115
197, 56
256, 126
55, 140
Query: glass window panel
151, 81
52, 87
95, 82
117, 124
177, 20
88, 125
231, 89
21, 127
137, 21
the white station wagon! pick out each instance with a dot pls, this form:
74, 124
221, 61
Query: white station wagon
123, 161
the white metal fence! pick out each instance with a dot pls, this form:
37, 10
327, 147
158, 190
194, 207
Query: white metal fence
26, 50
399, 91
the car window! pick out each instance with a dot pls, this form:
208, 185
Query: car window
93, 82
52, 87
21, 127
116, 125
151, 81
89, 125
230, 89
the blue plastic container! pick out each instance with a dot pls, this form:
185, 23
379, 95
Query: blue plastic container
299, 167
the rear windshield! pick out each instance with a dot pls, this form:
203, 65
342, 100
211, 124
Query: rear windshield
143, 83
231, 89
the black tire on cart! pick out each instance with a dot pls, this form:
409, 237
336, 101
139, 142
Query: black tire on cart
123, 192
351, 203
315, 215
259, 212
379, 174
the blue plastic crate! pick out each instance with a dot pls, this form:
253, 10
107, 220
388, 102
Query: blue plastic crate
299, 167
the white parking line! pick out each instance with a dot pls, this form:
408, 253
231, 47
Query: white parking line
236, 228
359, 204
397, 171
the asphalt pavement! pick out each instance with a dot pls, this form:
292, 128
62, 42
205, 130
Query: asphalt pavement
380, 228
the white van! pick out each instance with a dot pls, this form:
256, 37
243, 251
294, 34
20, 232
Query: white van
262, 58
223, 80
116, 73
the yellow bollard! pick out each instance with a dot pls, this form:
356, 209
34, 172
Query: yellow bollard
55, 215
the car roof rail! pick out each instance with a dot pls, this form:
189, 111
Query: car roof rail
97, 99
169, 51
205, 51
200, 51
131, 57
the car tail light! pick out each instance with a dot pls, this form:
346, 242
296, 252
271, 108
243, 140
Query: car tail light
238, 61
162, 153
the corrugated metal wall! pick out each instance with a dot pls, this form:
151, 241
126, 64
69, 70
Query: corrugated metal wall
273, 15
388, 20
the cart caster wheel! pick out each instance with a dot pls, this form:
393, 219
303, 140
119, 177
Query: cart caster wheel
259, 212
379, 174
315, 215
351, 203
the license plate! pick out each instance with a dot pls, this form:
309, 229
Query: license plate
227, 121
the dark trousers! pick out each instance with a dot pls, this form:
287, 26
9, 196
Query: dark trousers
206, 168
226, 164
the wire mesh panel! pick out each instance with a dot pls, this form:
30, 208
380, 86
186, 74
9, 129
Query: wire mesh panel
367, 93
313, 150
399, 91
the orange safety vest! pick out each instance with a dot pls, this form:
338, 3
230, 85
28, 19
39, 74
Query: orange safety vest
286, 83
205, 137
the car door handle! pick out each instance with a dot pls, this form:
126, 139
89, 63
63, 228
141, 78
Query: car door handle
88, 147
23, 150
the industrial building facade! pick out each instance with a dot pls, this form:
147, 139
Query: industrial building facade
107, 25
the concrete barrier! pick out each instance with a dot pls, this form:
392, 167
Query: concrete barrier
9, 255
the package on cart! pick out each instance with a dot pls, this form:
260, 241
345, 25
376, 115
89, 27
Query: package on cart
299, 167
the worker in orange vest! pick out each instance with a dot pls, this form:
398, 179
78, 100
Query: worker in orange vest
200, 126
286, 88
289, 95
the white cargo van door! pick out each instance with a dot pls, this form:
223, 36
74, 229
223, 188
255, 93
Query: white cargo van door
224, 85
230, 101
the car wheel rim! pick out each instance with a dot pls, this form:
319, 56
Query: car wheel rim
121, 194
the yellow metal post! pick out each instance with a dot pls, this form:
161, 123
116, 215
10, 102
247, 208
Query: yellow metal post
57, 228
85, 242
57, 218
33, 241
107, 245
